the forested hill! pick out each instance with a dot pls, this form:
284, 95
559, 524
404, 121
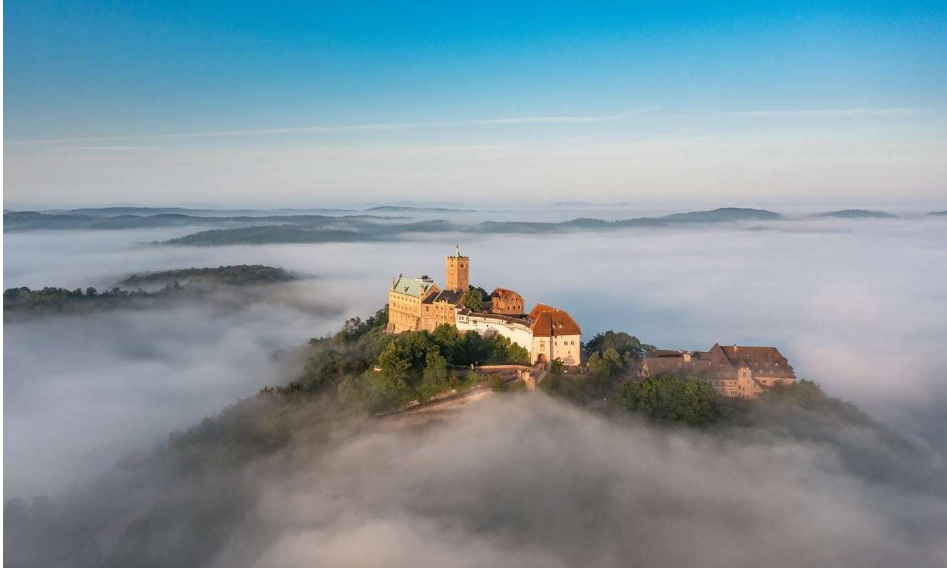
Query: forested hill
858, 214
239, 275
143, 218
366, 229
149, 289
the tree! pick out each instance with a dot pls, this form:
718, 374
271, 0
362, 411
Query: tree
669, 398
434, 377
627, 346
473, 300
605, 366
394, 366
612, 361
483, 293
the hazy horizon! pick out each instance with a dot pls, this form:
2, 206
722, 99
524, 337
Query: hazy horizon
787, 207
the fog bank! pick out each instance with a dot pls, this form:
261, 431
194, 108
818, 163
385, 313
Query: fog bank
854, 305
527, 481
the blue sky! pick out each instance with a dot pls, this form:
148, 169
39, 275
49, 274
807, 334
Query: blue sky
153, 88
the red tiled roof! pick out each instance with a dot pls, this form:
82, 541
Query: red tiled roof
549, 321
763, 361
722, 362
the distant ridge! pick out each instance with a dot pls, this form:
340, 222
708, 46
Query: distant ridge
355, 229
192, 212
938, 213
33, 220
723, 214
857, 214
403, 208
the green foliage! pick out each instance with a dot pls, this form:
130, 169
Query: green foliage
230, 275
434, 376
411, 366
250, 427
352, 351
605, 366
483, 293
602, 369
574, 388
473, 300
671, 399
418, 363
366, 393
810, 396
395, 363
52, 299
628, 347
496, 383
804, 393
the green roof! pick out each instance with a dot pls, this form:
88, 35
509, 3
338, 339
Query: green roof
413, 286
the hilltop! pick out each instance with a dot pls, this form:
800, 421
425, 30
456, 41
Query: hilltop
145, 218
240, 275
723, 215
857, 214
162, 287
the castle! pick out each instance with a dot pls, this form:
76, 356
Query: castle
735, 371
547, 333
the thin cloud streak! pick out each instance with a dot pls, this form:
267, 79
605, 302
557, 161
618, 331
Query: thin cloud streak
821, 113
589, 119
105, 148
510, 121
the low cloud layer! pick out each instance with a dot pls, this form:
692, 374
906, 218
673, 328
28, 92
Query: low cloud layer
851, 303
530, 482
523, 481
82, 391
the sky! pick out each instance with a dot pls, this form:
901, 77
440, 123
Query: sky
321, 103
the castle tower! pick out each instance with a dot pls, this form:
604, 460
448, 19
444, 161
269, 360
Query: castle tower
458, 271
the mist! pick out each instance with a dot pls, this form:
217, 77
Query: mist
531, 482
854, 305
525, 480
83, 391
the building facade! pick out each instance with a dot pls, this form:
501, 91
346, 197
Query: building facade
439, 309
555, 336
507, 302
405, 299
547, 333
736, 371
